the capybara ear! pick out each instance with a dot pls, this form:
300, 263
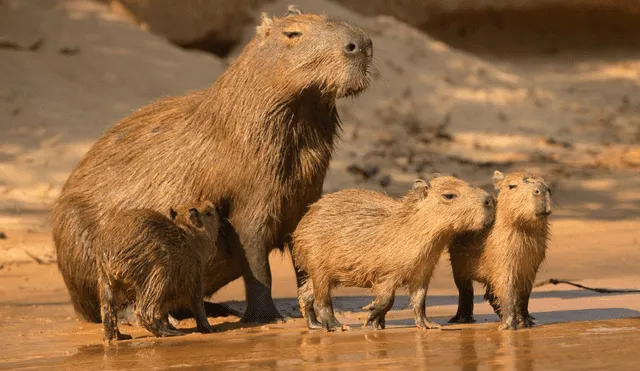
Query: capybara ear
265, 25
421, 187
436, 175
498, 177
194, 217
292, 10
172, 213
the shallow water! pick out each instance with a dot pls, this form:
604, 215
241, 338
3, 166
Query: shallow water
562, 346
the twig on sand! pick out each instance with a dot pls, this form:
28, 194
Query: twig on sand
38, 260
596, 289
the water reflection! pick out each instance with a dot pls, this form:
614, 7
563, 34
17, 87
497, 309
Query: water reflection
470, 348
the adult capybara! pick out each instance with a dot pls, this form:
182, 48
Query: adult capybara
363, 238
257, 143
157, 264
506, 256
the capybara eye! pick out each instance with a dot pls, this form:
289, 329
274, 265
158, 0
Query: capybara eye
512, 186
449, 196
209, 213
292, 34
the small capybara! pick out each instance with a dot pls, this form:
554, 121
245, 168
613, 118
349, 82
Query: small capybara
506, 256
156, 263
362, 238
257, 143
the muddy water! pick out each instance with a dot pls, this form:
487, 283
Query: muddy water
562, 346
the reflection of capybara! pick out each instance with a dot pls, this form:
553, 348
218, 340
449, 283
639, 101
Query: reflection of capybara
157, 264
366, 239
257, 143
505, 257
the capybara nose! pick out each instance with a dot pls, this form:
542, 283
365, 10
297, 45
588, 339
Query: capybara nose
359, 46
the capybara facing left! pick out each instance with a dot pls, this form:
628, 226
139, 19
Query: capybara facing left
156, 263
362, 238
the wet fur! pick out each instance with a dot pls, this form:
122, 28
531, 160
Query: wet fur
363, 238
506, 257
156, 264
257, 143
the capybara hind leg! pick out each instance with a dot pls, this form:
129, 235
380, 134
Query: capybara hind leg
110, 315
465, 301
419, 303
257, 280
378, 310
322, 294
306, 301
202, 323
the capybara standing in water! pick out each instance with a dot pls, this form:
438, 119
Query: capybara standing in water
505, 257
156, 263
363, 238
257, 143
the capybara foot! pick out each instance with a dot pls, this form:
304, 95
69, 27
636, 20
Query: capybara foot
206, 328
376, 318
527, 321
332, 324
458, 318
428, 325
121, 336
313, 324
509, 323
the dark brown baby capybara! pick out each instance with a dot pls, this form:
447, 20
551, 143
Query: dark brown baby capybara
506, 256
156, 263
257, 143
363, 238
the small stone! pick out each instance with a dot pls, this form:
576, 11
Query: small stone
3, 236
385, 181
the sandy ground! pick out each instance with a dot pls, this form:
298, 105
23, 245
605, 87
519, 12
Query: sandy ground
70, 69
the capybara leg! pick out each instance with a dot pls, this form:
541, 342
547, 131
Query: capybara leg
110, 315
524, 317
491, 297
202, 323
419, 303
322, 294
257, 281
465, 301
306, 301
378, 310
509, 309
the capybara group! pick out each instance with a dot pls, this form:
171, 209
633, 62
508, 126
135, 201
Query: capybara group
257, 143
505, 257
362, 238
157, 263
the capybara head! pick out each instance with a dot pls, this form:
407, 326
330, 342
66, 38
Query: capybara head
310, 51
452, 205
522, 196
199, 216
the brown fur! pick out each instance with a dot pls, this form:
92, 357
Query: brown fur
257, 143
363, 238
157, 264
507, 256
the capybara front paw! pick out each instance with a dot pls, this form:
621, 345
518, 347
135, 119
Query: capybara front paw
377, 321
121, 336
262, 317
462, 319
509, 324
206, 328
527, 321
168, 333
428, 325
332, 325
313, 324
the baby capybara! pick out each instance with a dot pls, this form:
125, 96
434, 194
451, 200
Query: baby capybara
156, 263
506, 256
363, 238
257, 143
